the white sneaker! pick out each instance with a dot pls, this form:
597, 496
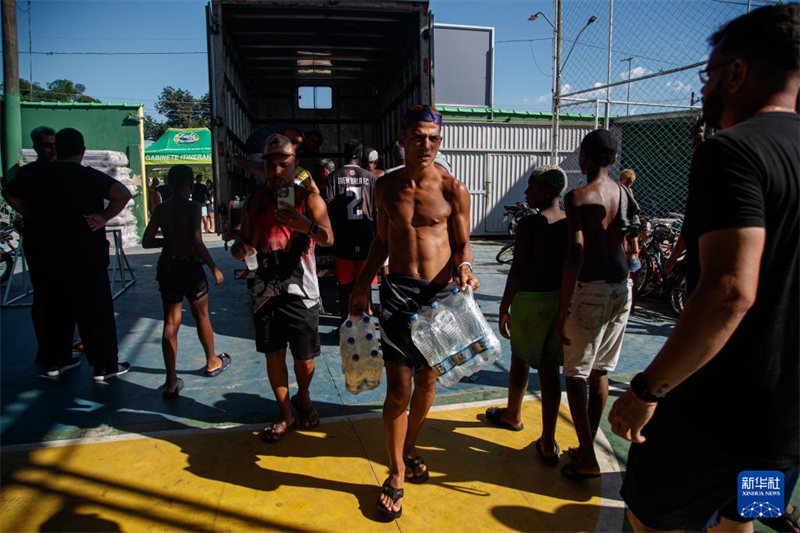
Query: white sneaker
54, 372
122, 368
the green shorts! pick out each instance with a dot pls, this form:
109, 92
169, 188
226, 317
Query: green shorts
533, 317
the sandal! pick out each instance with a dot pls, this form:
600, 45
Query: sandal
570, 471
272, 434
226, 362
395, 495
413, 464
493, 415
549, 460
309, 419
174, 393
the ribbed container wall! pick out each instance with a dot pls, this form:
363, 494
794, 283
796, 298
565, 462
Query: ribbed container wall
495, 160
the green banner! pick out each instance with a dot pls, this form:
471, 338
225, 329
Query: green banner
189, 146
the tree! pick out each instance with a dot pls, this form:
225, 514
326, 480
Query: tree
153, 129
182, 110
61, 90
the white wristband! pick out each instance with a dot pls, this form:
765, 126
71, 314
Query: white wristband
468, 264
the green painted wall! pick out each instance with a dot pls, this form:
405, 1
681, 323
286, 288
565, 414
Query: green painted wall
104, 127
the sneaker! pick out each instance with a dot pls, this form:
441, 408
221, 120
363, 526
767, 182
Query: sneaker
122, 368
55, 371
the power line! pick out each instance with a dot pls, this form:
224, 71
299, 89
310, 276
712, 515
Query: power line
50, 37
593, 46
117, 53
537, 64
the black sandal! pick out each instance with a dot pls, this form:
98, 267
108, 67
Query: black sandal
413, 464
395, 495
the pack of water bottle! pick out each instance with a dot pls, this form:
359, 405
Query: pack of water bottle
454, 337
362, 362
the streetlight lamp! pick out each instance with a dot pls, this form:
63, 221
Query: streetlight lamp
558, 67
591, 19
628, 59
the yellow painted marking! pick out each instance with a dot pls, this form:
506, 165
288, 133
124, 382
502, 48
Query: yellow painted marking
482, 479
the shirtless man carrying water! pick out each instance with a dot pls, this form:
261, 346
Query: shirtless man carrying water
423, 214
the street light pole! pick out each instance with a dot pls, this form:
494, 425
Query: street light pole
558, 68
629, 60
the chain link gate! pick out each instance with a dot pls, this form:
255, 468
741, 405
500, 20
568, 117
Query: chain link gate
634, 65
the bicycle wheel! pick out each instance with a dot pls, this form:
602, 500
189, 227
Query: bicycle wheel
6, 262
650, 284
677, 296
641, 276
506, 254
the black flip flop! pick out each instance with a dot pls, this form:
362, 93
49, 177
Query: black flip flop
394, 494
549, 460
413, 464
570, 472
226, 362
175, 393
493, 416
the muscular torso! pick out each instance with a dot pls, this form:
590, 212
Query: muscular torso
177, 227
417, 214
597, 205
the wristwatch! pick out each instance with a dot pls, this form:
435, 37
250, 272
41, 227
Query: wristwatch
640, 390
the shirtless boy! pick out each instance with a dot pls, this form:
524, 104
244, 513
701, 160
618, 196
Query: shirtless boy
180, 273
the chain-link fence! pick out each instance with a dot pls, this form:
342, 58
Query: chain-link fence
634, 65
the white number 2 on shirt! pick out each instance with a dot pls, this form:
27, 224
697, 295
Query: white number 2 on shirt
354, 211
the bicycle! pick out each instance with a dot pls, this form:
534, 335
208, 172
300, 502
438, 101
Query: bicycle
516, 213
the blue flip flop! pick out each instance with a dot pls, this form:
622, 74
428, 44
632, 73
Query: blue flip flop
226, 362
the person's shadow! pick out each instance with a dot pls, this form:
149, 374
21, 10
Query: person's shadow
67, 519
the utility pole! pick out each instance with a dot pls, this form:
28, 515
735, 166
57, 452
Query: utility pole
629, 60
12, 126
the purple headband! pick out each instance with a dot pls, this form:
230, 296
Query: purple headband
421, 113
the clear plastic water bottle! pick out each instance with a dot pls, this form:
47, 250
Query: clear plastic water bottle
427, 340
467, 313
362, 363
447, 331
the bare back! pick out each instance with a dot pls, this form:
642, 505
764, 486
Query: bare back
179, 219
416, 218
593, 210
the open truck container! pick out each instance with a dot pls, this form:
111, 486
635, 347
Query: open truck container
346, 68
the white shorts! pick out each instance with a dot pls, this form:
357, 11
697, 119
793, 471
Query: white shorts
596, 323
204, 211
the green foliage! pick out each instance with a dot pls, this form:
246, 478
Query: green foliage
153, 129
183, 110
61, 90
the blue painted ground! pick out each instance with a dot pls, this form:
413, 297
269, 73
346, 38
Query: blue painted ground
36, 408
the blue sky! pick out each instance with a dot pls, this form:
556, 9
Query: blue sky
659, 34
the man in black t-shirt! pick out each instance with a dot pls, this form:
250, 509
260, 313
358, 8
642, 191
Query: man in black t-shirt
350, 195
202, 196
67, 201
723, 395
44, 144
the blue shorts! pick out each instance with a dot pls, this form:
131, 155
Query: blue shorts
634, 264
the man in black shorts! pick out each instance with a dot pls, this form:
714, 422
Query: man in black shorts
423, 228
723, 395
283, 233
180, 274
72, 204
